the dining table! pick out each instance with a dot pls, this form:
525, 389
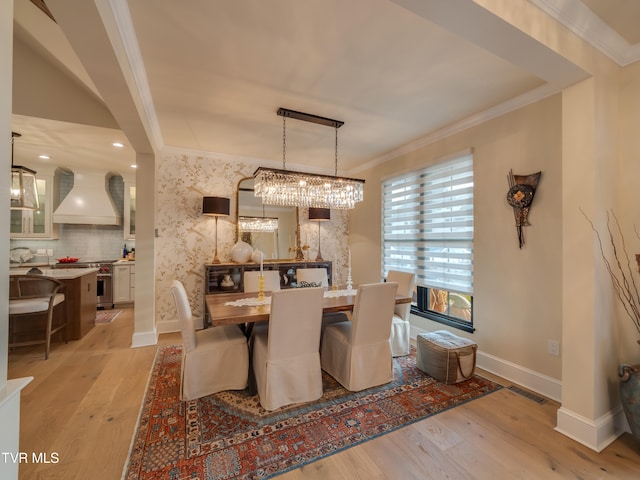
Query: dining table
245, 309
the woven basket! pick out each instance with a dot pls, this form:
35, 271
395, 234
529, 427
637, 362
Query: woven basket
445, 356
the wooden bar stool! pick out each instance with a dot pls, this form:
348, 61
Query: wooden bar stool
32, 299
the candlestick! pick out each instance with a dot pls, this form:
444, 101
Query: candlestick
349, 263
261, 259
260, 287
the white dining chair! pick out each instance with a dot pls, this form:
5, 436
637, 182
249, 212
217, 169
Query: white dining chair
400, 327
313, 275
214, 359
286, 357
358, 353
271, 281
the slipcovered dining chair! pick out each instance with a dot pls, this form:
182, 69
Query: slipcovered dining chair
313, 275
400, 327
286, 357
32, 300
214, 359
271, 281
358, 353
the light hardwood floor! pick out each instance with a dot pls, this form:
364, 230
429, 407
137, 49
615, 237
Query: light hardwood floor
83, 404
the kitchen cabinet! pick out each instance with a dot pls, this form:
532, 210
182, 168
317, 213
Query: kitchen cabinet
81, 297
36, 223
124, 283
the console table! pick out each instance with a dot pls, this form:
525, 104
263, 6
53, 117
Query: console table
216, 272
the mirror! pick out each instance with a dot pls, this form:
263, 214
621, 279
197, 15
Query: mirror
256, 223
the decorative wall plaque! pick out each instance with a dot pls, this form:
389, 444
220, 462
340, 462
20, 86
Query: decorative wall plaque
522, 189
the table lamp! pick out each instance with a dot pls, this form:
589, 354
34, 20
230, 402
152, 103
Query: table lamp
319, 215
215, 207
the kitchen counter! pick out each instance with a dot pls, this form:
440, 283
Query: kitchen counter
81, 297
57, 273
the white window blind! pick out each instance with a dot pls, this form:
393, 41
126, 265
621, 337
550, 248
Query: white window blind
428, 225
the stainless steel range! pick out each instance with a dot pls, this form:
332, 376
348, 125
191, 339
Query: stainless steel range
104, 282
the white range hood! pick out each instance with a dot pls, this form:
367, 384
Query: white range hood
88, 202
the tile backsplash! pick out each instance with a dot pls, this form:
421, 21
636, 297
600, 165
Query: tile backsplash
95, 242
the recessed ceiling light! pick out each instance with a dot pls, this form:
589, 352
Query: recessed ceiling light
44, 157
118, 144
134, 166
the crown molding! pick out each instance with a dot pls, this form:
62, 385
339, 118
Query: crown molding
523, 100
116, 18
578, 18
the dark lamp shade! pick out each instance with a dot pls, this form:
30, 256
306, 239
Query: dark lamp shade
215, 206
319, 214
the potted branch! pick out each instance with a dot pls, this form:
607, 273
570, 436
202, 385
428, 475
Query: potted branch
622, 276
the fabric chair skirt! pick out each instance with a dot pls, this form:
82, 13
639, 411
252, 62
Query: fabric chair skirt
285, 381
219, 362
357, 367
400, 337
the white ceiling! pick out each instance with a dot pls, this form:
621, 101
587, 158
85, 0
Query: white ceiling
209, 75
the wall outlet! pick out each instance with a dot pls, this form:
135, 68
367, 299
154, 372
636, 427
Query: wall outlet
553, 347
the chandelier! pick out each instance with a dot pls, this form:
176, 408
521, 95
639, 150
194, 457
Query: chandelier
301, 189
257, 224
24, 191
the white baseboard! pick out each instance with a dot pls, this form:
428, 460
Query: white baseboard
144, 339
595, 434
174, 326
529, 379
168, 327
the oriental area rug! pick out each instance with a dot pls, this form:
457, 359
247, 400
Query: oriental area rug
229, 435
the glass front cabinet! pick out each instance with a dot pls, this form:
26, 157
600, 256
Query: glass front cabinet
36, 223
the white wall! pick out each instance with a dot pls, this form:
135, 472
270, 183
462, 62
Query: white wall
517, 293
628, 181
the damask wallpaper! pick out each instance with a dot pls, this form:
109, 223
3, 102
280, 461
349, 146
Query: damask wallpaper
186, 238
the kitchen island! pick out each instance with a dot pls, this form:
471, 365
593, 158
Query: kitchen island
80, 293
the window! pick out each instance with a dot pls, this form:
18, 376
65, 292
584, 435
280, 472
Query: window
427, 229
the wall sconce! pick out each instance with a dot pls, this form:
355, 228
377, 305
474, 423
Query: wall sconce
319, 215
215, 207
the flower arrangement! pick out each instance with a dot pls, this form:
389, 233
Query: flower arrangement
620, 269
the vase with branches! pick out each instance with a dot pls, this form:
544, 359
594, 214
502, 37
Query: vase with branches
621, 272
